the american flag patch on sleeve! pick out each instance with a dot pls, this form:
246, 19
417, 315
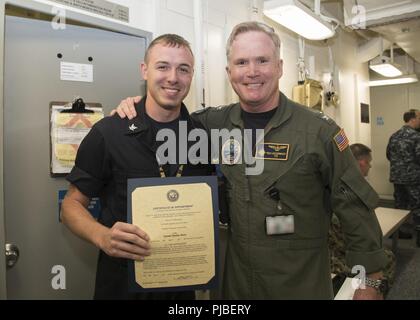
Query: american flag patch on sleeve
341, 140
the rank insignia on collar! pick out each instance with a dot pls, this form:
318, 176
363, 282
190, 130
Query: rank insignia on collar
341, 140
273, 151
325, 118
132, 127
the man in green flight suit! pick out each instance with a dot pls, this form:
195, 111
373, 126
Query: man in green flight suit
279, 219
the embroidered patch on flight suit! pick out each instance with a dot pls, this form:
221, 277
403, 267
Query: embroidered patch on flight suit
231, 152
272, 151
341, 140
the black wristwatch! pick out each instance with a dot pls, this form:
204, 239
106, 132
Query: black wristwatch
380, 284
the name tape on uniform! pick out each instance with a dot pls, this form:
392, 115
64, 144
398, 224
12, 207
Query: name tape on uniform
273, 151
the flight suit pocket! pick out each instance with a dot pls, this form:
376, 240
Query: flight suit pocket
299, 253
301, 195
360, 187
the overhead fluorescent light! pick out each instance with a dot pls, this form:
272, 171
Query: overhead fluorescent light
385, 67
410, 78
295, 16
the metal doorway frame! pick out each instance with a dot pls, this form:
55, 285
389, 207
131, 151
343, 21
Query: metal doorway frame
43, 8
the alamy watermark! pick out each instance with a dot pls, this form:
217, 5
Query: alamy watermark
58, 281
222, 147
358, 20
358, 281
59, 20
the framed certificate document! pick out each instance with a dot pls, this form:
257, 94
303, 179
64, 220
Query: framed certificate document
180, 215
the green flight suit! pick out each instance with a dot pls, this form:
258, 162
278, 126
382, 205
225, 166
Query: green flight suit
315, 179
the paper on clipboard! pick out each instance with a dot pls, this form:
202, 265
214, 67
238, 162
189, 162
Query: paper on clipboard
67, 132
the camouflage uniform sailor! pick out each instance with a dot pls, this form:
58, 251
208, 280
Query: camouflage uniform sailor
312, 174
338, 252
403, 153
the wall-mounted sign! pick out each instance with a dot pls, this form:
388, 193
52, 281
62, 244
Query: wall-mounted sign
364, 113
100, 7
76, 72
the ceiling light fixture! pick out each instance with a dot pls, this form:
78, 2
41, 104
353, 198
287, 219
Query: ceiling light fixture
385, 65
410, 78
298, 18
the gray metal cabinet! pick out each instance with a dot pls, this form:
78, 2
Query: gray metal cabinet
31, 82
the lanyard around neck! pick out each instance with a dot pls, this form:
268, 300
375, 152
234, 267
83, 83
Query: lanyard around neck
178, 173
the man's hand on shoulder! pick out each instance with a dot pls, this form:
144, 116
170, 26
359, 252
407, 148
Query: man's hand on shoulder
126, 108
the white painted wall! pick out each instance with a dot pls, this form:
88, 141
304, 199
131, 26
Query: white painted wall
354, 89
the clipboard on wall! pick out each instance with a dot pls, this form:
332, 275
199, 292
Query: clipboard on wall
70, 122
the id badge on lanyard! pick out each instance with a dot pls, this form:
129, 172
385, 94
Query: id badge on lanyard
280, 223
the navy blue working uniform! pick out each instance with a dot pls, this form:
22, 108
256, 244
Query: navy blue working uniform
115, 150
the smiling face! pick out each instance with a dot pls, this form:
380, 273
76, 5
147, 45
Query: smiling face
254, 71
168, 71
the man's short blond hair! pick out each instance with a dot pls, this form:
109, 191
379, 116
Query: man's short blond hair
169, 40
249, 26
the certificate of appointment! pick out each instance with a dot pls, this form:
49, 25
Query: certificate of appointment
180, 215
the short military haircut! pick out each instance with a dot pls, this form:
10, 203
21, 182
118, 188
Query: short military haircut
249, 26
410, 114
360, 151
168, 40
